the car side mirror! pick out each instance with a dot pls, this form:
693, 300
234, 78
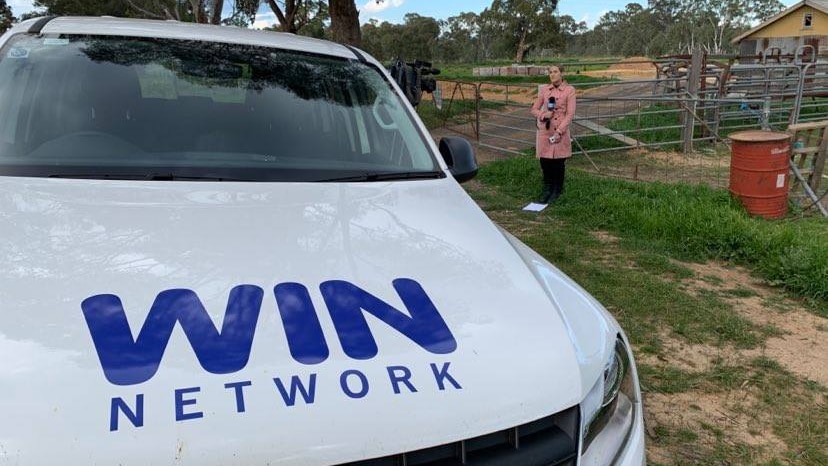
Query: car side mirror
459, 156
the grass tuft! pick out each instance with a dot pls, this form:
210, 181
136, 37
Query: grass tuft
686, 222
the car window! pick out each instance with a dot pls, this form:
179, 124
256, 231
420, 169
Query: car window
101, 107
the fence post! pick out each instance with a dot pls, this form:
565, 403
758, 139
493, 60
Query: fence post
477, 99
803, 70
693, 77
638, 127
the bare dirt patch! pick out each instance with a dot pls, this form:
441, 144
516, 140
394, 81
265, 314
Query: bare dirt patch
801, 346
680, 159
709, 415
631, 68
688, 356
605, 237
723, 422
517, 93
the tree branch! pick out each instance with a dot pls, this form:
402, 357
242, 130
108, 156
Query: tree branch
278, 11
218, 5
148, 13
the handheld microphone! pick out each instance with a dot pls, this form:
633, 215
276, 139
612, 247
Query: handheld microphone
550, 106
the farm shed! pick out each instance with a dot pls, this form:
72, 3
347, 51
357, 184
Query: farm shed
803, 24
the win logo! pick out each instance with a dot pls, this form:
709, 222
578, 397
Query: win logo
127, 360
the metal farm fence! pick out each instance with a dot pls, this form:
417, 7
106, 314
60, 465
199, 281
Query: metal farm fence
670, 126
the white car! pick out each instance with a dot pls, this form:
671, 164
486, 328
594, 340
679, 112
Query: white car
226, 246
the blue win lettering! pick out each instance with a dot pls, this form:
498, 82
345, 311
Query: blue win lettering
296, 385
136, 416
128, 361
347, 302
302, 328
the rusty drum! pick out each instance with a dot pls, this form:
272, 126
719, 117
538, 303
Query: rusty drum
759, 171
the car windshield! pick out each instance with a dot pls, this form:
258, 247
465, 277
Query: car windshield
142, 108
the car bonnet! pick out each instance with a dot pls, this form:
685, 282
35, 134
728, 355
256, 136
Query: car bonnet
109, 357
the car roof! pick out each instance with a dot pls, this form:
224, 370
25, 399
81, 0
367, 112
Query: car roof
111, 26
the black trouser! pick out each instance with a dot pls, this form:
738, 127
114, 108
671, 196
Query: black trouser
553, 173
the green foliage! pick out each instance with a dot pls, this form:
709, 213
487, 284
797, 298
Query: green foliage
305, 17
521, 25
415, 39
687, 222
314, 14
6, 17
672, 26
460, 40
84, 7
513, 30
201, 11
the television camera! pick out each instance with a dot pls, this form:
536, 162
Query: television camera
414, 78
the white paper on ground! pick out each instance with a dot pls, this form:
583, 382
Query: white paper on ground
534, 207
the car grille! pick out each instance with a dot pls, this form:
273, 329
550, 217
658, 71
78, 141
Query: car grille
551, 440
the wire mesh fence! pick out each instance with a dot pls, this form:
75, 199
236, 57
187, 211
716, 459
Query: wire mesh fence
670, 122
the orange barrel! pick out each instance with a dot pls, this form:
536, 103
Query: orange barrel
759, 171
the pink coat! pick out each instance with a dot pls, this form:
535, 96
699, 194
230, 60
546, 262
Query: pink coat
561, 121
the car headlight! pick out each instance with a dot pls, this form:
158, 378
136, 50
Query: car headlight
609, 410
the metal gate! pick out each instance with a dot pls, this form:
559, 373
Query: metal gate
685, 111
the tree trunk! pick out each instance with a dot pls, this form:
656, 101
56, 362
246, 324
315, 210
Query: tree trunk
287, 19
198, 10
215, 17
345, 22
521, 48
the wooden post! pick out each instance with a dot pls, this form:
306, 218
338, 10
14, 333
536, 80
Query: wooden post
819, 162
693, 77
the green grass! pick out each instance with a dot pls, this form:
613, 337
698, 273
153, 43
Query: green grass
798, 417
659, 264
786, 406
649, 125
622, 242
684, 222
652, 304
741, 292
451, 113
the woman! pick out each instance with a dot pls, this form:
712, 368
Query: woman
553, 110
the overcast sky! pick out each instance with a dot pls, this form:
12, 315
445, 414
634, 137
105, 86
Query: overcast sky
395, 10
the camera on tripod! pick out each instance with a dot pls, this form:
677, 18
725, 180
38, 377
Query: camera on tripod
414, 78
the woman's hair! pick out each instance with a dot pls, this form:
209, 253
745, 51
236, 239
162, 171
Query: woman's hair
559, 67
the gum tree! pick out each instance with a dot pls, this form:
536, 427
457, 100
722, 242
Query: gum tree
6, 17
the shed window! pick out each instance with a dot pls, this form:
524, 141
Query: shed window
807, 21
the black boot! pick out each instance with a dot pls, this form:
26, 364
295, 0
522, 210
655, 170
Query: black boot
547, 194
558, 174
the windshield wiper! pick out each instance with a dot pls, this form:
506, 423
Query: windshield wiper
174, 177
146, 177
385, 176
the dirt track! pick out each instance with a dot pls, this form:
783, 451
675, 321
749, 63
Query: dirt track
512, 129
